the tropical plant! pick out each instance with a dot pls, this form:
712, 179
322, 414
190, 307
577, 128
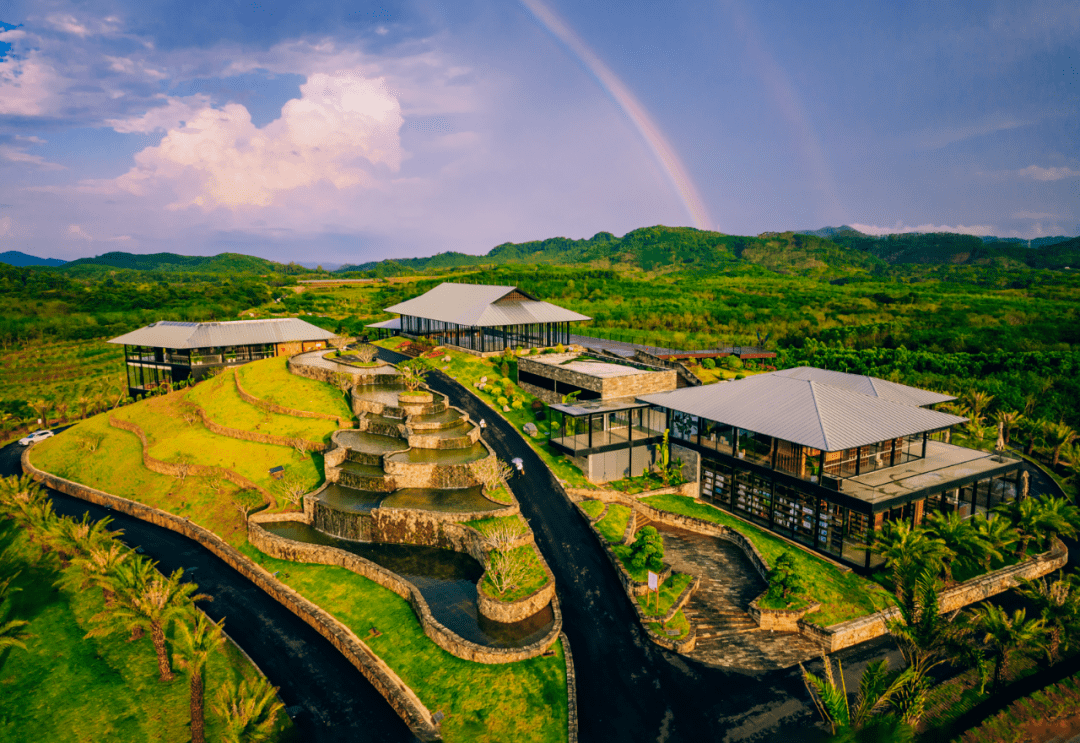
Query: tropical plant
958, 536
153, 603
1058, 603
1059, 435
997, 535
902, 545
977, 401
924, 635
1024, 516
878, 689
97, 567
248, 709
1008, 420
196, 640
1004, 635
70, 537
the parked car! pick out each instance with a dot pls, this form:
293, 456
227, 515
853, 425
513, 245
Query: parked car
35, 437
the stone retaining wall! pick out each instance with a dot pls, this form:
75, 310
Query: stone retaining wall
173, 469
779, 620
298, 365
271, 407
428, 441
571, 692
402, 699
287, 549
259, 438
846, 634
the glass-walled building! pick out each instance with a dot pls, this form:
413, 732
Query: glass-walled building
167, 352
482, 318
826, 458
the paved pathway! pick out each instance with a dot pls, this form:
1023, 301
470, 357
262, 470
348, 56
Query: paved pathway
727, 636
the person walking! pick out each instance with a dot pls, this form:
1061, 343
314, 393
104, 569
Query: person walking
483, 425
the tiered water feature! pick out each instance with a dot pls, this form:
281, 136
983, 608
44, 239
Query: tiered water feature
397, 490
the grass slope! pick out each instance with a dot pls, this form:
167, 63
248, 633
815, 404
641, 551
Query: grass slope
66, 688
270, 380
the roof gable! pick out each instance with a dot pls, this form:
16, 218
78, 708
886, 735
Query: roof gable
482, 305
179, 335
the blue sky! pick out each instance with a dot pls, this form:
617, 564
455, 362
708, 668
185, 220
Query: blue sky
344, 131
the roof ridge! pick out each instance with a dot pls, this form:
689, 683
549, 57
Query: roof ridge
817, 410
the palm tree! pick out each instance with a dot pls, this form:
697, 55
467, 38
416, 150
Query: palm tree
30, 506
997, 534
98, 567
195, 644
978, 401
152, 603
249, 710
41, 407
959, 537
1003, 635
901, 546
876, 693
1059, 606
1008, 420
1057, 517
1059, 435
1024, 515
70, 537
1033, 430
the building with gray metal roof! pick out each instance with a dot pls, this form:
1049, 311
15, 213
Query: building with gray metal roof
484, 318
821, 457
165, 352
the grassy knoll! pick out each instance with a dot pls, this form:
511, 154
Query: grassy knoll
613, 525
524, 701
219, 398
843, 595
533, 578
66, 688
593, 508
484, 526
270, 380
468, 370
676, 628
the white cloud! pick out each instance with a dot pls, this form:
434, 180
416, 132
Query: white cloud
1046, 174
28, 85
82, 28
17, 155
975, 229
1034, 215
77, 231
340, 127
172, 115
5, 226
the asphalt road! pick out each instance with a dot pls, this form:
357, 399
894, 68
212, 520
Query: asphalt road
630, 689
330, 700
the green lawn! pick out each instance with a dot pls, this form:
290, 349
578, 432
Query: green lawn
484, 526
67, 688
223, 404
843, 595
523, 701
670, 590
593, 508
271, 380
678, 622
613, 525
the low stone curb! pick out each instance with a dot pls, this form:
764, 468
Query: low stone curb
571, 692
256, 437
779, 620
288, 549
271, 407
199, 470
402, 699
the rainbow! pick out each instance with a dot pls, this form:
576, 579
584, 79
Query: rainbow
625, 100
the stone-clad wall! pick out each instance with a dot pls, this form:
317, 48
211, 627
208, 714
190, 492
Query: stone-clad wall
271, 407
640, 384
172, 469
287, 549
660, 380
260, 438
403, 699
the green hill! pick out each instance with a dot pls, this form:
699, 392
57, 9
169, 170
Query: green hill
658, 248
171, 262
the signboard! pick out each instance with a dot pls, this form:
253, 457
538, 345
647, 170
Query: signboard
654, 581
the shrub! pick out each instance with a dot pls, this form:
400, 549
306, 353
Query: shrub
506, 382
537, 405
505, 369
784, 579
502, 400
740, 375
517, 405
734, 363
709, 363
534, 351
559, 348
648, 550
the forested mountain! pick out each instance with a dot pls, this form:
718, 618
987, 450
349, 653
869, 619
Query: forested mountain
659, 249
953, 248
19, 258
231, 263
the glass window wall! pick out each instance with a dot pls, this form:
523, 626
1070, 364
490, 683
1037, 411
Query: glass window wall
755, 447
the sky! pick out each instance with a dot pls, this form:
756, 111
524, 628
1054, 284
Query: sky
344, 132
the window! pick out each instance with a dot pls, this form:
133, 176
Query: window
857, 538
684, 426
755, 447
716, 436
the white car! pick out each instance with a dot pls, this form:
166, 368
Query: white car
35, 437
